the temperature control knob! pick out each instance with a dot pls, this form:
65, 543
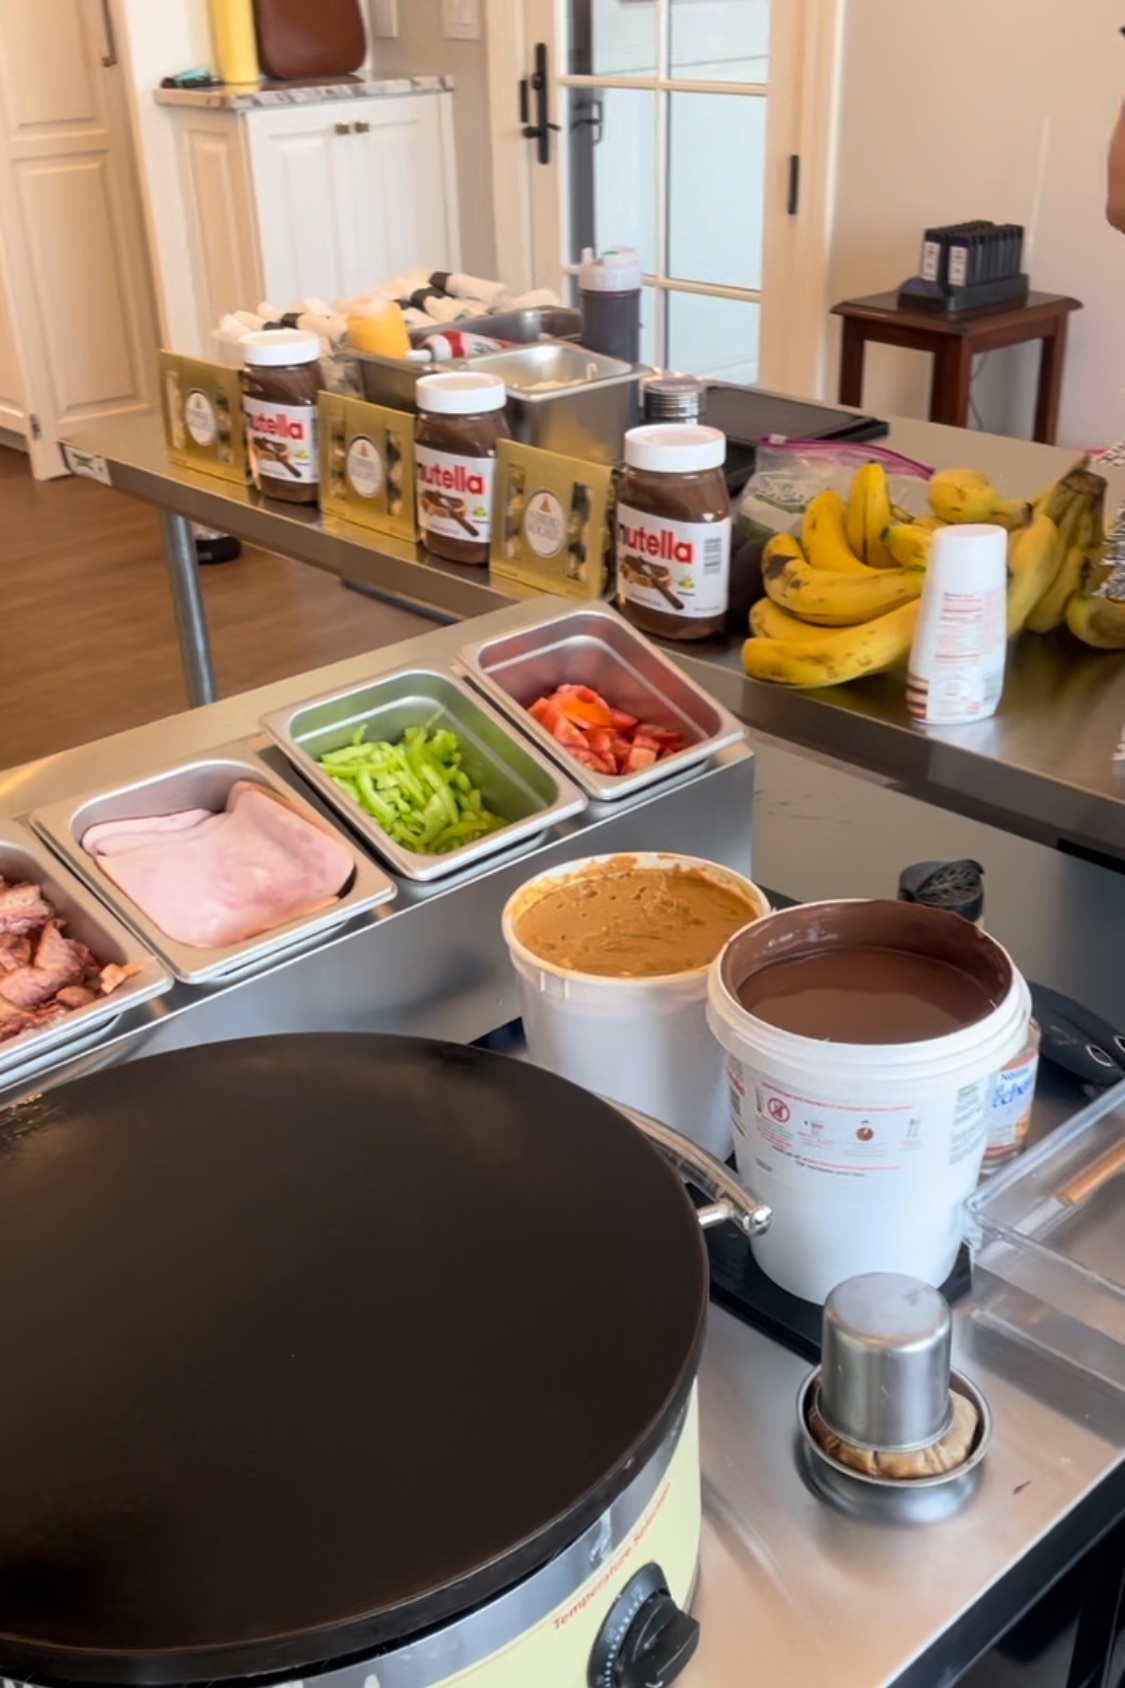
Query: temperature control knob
646, 1641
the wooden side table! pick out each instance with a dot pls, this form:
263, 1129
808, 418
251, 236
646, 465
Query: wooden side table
954, 339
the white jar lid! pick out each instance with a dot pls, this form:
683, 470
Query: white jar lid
616, 271
460, 393
275, 347
675, 448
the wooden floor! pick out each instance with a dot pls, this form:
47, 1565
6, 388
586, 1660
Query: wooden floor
87, 639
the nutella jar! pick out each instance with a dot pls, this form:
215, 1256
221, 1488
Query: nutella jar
460, 422
280, 386
673, 531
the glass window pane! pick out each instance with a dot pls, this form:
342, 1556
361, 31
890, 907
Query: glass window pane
721, 40
712, 336
716, 214
613, 37
613, 175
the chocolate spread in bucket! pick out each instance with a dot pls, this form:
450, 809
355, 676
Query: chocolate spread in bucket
867, 973
865, 996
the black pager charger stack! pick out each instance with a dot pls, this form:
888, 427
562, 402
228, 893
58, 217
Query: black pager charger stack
967, 267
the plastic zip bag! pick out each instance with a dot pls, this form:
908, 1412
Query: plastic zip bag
788, 475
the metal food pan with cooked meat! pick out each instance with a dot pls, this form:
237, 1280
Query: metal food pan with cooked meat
68, 968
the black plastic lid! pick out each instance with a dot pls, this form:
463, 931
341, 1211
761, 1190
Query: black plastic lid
311, 1343
956, 886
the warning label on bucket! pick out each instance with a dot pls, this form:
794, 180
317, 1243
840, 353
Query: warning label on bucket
832, 1137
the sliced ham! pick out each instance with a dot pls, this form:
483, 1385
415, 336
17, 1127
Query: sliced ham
215, 881
112, 838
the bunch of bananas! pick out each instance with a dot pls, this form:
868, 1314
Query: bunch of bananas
842, 600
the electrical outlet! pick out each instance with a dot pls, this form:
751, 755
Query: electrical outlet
385, 18
460, 20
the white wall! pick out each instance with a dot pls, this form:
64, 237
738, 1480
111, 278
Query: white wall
420, 49
154, 40
987, 108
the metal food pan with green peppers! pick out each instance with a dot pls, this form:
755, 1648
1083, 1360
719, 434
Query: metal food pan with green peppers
426, 772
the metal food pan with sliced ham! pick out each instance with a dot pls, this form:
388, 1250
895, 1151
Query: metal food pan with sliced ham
68, 968
522, 791
605, 665
218, 864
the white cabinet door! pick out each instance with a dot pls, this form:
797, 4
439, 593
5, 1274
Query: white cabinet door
403, 187
302, 189
80, 309
222, 231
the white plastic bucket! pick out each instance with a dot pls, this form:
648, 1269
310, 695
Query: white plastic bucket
865, 1152
641, 1041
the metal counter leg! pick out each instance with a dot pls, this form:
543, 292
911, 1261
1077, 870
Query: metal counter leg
191, 618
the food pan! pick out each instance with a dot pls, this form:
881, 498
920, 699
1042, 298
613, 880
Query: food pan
515, 780
565, 399
391, 381
23, 858
204, 783
596, 647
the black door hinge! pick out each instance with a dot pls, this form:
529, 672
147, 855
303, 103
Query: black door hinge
36, 427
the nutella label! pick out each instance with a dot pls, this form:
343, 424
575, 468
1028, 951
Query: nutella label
681, 568
283, 440
455, 494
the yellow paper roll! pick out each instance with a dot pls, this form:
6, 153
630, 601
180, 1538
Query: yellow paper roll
235, 44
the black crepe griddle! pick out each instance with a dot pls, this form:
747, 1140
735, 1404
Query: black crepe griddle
311, 1343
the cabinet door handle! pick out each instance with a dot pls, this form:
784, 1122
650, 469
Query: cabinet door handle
363, 128
343, 128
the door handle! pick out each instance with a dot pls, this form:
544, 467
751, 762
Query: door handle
343, 128
109, 56
539, 85
590, 115
362, 128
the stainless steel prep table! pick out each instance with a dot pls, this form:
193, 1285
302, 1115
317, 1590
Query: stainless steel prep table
1043, 768
792, 1593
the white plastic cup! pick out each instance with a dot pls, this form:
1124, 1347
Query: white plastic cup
865, 1152
957, 662
640, 1041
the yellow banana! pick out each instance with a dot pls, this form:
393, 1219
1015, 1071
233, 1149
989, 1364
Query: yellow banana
967, 495
910, 544
1085, 549
829, 659
869, 516
837, 600
825, 537
1098, 620
768, 621
1035, 556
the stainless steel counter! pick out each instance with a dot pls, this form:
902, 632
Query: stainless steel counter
1042, 768
792, 1593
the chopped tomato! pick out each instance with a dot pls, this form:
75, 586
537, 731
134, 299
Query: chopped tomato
585, 712
601, 737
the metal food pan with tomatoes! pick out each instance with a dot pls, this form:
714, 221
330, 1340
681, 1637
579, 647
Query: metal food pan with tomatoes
601, 700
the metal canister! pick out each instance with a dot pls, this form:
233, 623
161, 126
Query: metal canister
885, 1363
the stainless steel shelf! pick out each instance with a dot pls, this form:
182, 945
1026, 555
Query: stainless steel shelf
1043, 768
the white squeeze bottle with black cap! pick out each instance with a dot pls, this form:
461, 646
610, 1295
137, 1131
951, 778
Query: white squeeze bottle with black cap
610, 294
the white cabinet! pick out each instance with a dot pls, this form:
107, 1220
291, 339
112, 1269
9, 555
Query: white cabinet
316, 200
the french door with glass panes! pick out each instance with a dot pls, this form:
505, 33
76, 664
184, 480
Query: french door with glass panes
697, 131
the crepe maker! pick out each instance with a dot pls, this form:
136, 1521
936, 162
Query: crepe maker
360, 1357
